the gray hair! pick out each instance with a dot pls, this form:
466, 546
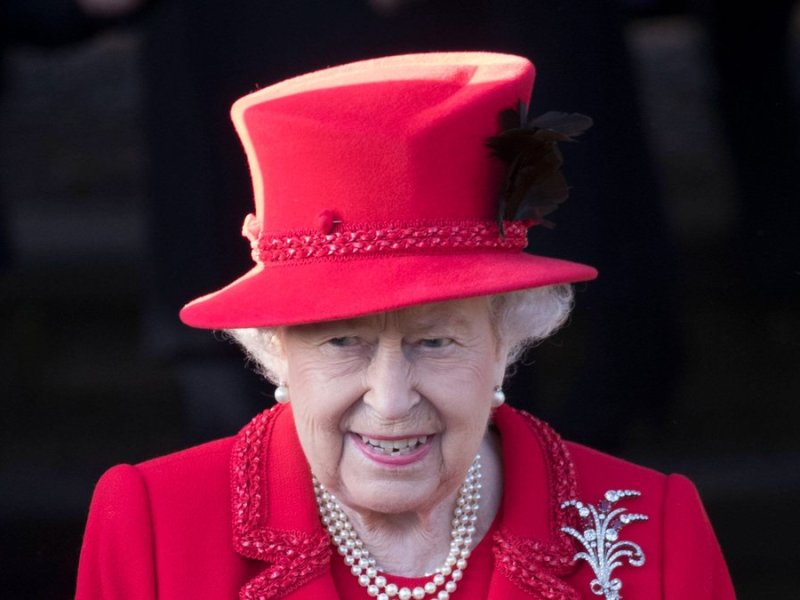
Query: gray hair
520, 319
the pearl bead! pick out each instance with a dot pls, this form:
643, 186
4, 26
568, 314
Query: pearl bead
450, 586
443, 595
282, 394
391, 590
372, 590
418, 593
430, 587
404, 594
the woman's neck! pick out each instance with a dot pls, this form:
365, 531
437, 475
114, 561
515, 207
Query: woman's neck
415, 544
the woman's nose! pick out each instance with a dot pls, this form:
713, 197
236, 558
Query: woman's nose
390, 389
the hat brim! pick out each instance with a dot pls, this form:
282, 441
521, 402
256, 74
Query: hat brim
289, 293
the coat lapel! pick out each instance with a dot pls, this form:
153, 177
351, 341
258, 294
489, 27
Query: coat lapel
273, 521
531, 552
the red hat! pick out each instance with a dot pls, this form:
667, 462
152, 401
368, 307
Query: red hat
375, 190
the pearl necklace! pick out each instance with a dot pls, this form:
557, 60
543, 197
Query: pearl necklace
362, 565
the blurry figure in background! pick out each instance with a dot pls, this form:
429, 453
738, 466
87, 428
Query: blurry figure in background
46, 24
201, 56
750, 50
50, 23
751, 54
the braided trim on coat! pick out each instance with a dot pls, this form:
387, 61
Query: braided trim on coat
532, 565
292, 557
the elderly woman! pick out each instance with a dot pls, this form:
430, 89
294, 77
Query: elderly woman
389, 295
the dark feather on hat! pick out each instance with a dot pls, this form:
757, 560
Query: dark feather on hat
534, 185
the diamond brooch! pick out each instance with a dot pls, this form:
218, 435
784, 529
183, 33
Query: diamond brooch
604, 551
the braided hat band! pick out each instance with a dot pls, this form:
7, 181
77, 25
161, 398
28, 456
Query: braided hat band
389, 239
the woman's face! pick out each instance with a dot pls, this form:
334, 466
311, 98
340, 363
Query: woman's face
392, 408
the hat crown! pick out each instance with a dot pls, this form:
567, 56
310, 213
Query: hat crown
392, 140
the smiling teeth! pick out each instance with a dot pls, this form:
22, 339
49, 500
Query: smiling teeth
395, 447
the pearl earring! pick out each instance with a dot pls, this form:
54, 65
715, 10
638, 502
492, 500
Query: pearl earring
499, 397
282, 394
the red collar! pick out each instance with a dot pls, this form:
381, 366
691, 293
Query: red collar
283, 529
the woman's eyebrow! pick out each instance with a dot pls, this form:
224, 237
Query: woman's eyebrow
331, 326
436, 322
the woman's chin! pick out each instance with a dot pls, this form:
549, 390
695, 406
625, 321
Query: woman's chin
388, 499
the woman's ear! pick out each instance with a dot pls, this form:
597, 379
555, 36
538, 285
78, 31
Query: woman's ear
277, 348
502, 362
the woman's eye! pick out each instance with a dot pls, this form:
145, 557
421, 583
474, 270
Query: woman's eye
435, 342
343, 342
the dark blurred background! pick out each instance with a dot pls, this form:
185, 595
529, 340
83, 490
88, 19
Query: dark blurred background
122, 189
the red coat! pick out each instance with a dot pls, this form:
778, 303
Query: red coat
237, 518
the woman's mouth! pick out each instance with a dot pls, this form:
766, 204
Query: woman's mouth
394, 447
394, 451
